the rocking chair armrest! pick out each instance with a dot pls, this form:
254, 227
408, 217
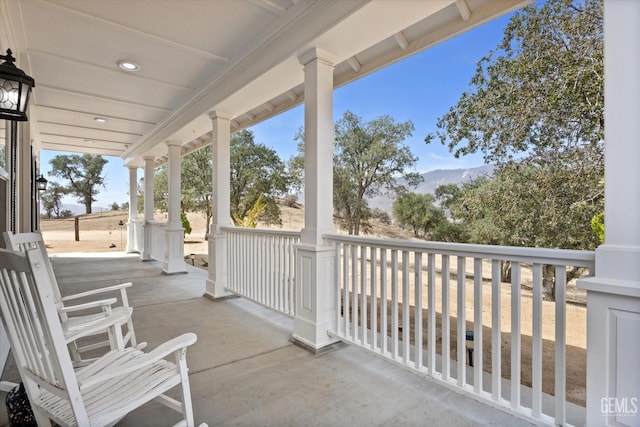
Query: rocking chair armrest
110, 321
120, 287
100, 370
85, 306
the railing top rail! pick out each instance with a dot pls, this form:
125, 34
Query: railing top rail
157, 223
571, 257
261, 231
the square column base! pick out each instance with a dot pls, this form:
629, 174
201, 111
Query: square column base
218, 276
145, 253
173, 262
613, 346
315, 296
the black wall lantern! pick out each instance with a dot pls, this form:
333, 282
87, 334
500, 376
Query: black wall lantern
15, 90
41, 183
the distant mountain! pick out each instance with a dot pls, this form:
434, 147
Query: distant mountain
432, 180
80, 209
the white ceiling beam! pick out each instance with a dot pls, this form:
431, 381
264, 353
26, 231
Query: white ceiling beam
291, 95
463, 9
401, 40
250, 116
92, 115
139, 33
100, 98
354, 63
269, 106
269, 6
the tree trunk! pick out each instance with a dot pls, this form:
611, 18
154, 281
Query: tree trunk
505, 271
87, 204
549, 283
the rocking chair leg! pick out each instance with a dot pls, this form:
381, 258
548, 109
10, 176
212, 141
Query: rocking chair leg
130, 330
187, 408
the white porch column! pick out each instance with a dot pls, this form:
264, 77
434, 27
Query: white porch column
315, 307
613, 295
149, 164
133, 210
25, 196
174, 241
221, 164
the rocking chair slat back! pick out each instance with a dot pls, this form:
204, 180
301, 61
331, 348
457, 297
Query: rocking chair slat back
31, 319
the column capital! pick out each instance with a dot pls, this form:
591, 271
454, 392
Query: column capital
314, 54
213, 115
173, 143
149, 158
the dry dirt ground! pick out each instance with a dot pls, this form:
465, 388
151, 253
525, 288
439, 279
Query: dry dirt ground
101, 232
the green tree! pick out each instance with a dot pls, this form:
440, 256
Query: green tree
417, 212
535, 109
597, 225
257, 173
539, 95
52, 199
186, 225
83, 173
197, 183
369, 158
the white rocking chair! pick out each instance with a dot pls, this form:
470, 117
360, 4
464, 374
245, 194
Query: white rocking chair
84, 325
101, 393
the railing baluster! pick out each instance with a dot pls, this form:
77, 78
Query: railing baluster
406, 325
536, 343
462, 322
515, 335
446, 325
478, 353
418, 310
431, 313
383, 301
346, 297
339, 250
496, 330
363, 294
560, 345
354, 293
394, 304
374, 298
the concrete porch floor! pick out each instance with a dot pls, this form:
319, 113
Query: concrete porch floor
245, 371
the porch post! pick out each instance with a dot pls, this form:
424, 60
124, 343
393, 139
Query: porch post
221, 159
24, 189
315, 308
149, 164
133, 209
613, 295
174, 238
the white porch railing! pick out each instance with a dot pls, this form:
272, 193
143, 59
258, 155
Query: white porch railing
158, 239
262, 266
425, 287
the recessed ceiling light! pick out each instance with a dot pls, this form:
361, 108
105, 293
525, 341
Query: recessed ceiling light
88, 141
128, 65
99, 120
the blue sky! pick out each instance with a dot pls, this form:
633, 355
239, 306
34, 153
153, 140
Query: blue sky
421, 88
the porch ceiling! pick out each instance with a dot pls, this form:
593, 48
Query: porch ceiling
238, 57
